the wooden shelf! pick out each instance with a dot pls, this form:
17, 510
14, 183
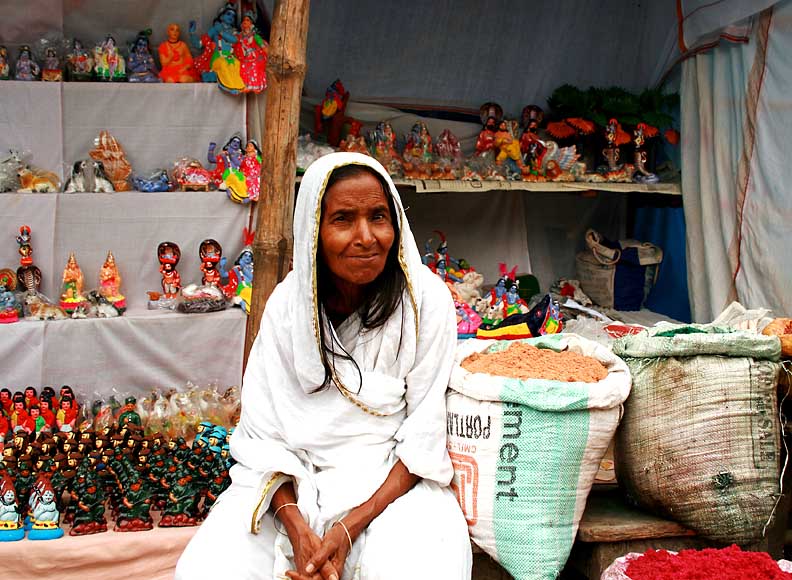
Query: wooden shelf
430, 186
437, 186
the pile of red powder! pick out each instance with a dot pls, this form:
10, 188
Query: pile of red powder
725, 564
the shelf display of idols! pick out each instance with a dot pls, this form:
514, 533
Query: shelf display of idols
168, 255
72, 296
110, 283
109, 152
175, 58
88, 176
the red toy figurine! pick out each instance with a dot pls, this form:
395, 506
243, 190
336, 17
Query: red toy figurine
329, 115
251, 50
169, 254
210, 252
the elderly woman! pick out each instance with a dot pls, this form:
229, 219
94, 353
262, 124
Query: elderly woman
342, 466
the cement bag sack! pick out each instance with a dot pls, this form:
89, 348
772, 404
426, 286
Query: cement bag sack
525, 453
699, 441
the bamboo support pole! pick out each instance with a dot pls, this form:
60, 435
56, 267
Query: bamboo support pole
273, 242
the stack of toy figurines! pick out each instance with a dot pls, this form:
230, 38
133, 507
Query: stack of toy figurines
31, 414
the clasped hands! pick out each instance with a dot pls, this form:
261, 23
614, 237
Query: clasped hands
318, 558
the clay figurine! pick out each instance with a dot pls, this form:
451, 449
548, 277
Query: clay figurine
72, 288
66, 417
5, 65
26, 68
79, 63
109, 152
109, 65
224, 63
9, 308
128, 413
383, 140
34, 180
134, 510
237, 284
11, 528
228, 173
251, 169
52, 70
88, 176
157, 181
38, 308
89, 497
491, 114
141, 65
44, 514
210, 253
642, 175
110, 283
168, 255
176, 60
330, 114
251, 50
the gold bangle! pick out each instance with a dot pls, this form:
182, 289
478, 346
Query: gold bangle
349, 537
275, 517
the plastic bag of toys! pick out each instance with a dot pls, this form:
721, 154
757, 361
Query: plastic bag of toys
199, 299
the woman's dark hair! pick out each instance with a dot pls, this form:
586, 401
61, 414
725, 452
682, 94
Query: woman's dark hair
382, 296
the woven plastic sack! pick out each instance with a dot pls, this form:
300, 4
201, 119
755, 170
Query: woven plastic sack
620, 274
618, 570
699, 441
526, 452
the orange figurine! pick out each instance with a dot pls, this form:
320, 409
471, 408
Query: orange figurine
176, 60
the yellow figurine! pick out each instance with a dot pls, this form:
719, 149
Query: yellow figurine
72, 289
110, 283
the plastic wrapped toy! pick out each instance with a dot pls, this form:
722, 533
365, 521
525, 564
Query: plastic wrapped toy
26, 69
141, 65
199, 299
53, 69
175, 58
190, 175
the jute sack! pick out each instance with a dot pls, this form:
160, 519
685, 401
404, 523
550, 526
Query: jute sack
525, 453
699, 441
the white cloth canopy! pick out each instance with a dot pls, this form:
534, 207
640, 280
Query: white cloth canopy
736, 132
339, 444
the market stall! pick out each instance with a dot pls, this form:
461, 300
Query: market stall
508, 224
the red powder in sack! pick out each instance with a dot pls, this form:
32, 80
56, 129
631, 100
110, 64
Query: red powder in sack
725, 564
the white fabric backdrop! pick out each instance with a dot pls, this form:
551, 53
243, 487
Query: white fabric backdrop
736, 137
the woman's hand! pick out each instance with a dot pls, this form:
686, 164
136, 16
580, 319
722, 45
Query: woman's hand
330, 557
305, 544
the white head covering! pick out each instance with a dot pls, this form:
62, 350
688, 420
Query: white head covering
304, 302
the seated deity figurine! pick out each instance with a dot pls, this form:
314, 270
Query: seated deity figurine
142, 68
176, 60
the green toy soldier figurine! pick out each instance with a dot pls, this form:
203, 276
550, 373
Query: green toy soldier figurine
133, 513
89, 497
128, 413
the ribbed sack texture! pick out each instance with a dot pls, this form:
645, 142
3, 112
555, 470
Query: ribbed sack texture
700, 438
525, 454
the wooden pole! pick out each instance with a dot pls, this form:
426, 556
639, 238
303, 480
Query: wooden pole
273, 243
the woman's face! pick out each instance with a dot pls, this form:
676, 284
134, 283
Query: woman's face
174, 32
356, 229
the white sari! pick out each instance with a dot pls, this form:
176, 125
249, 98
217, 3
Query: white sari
338, 445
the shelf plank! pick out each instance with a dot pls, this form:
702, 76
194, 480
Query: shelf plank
437, 186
